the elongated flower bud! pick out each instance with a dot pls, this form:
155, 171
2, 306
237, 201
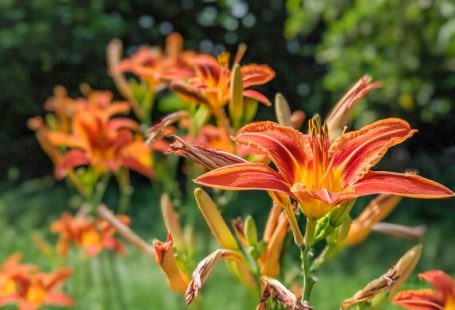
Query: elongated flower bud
378, 209
236, 104
270, 259
339, 116
171, 221
251, 232
272, 222
390, 281
282, 110
176, 279
214, 220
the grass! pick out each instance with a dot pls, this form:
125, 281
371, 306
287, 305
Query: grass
135, 282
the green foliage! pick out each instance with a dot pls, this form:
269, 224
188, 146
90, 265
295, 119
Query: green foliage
409, 45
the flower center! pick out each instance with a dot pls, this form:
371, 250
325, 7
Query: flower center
319, 172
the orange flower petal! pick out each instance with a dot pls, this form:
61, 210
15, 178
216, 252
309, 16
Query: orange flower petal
419, 300
119, 123
440, 281
59, 299
72, 159
407, 185
243, 177
254, 74
286, 147
254, 94
357, 151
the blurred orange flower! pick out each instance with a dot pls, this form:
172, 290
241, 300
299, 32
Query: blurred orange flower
320, 174
211, 82
156, 67
106, 145
86, 127
93, 236
30, 289
441, 298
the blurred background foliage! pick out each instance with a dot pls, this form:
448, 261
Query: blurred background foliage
318, 49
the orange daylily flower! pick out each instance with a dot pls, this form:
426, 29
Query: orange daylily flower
10, 272
156, 67
211, 82
441, 298
30, 289
321, 174
92, 236
106, 145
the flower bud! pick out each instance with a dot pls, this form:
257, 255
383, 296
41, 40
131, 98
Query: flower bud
236, 104
251, 233
282, 110
214, 220
176, 279
171, 221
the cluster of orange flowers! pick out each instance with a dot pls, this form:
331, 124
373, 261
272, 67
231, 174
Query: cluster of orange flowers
83, 131
92, 236
29, 288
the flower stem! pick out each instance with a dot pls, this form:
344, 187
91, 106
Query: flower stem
100, 189
305, 255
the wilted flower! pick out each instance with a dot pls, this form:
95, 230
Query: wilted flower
93, 236
320, 174
275, 290
205, 268
442, 297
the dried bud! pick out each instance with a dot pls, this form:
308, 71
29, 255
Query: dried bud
339, 116
390, 281
176, 279
275, 290
400, 231
171, 221
207, 157
161, 129
282, 110
205, 268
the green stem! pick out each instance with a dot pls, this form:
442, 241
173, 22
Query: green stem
116, 280
298, 238
100, 189
305, 255
126, 190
